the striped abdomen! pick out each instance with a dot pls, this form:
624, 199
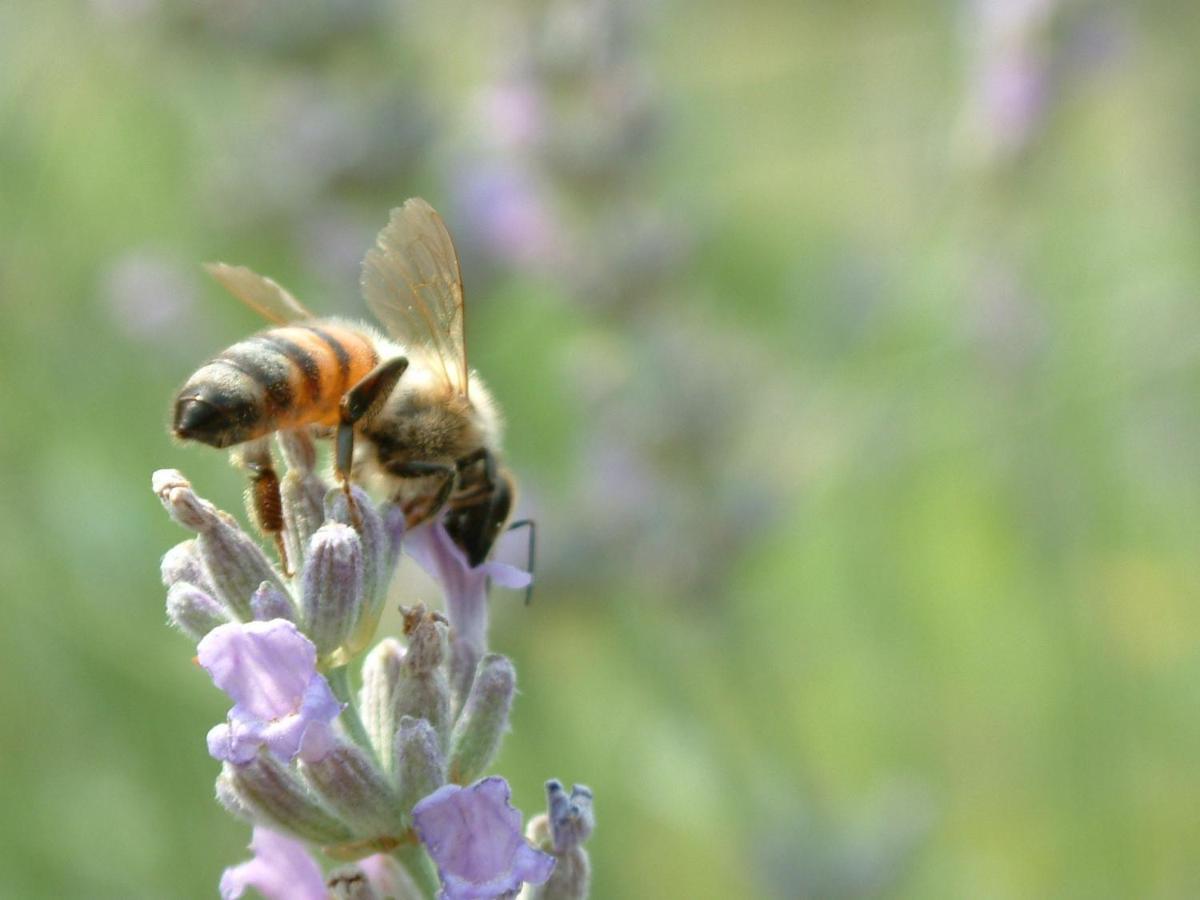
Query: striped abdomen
280, 378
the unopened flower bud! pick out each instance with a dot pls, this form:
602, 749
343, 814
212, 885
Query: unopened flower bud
275, 795
227, 796
234, 563
366, 522
269, 602
572, 875
303, 511
381, 674
181, 501
394, 523
302, 493
193, 611
571, 817
483, 720
561, 832
410, 681
331, 587
182, 563
348, 780
350, 883
419, 763
380, 532
426, 633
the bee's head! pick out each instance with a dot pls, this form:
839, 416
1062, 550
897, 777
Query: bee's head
212, 414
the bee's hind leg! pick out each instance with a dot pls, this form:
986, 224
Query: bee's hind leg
263, 499
360, 402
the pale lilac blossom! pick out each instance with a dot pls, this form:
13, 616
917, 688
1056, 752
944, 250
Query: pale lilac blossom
281, 869
280, 701
506, 215
474, 837
465, 592
150, 296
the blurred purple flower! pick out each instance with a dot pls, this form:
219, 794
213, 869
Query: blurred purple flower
280, 701
305, 136
281, 869
474, 836
512, 112
147, 294
506, 214
333, 241
1012, 92
1012, 80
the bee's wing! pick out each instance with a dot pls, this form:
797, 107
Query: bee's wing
260, 293
412, 282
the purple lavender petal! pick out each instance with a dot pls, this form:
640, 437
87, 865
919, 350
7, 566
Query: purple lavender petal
532, 865
464, 588
506, 575
236, 740
269, 669
264, 666
281, 869
465, 592
474, 837
514, 113
318, 709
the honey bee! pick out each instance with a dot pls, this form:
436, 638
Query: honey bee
426, 429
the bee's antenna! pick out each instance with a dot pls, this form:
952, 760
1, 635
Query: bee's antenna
532, 555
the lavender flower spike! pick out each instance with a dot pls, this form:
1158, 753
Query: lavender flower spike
280, 870
465, 592
280, 701
474, 836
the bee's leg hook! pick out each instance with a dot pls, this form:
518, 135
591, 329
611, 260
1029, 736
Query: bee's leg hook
532, 551
360, 402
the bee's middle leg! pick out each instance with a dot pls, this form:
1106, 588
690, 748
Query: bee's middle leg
360, 402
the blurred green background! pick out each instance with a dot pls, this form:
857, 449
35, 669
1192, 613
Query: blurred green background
849, 353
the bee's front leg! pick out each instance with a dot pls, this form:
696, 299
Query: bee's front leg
360, 402
426, 507
264, 500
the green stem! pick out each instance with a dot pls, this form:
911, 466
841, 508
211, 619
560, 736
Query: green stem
417, 864
339, 681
